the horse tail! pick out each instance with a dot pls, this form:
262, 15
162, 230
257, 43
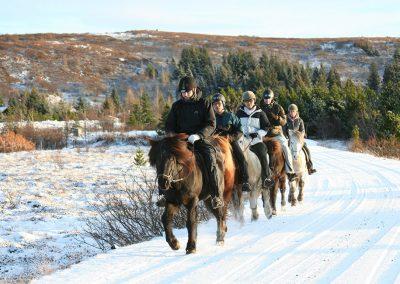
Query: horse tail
229, 165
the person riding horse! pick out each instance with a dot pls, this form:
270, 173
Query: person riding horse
276, 115
228, 125
296, 123
193, 115
256, 125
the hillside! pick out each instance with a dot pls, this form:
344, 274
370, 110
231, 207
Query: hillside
91, 64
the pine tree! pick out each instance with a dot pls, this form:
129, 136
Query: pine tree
374, 80
108, 106
333, 78
139, 158
163, 119
81, 105
115, 99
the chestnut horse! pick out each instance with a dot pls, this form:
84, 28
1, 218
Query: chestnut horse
182, 181
277, 165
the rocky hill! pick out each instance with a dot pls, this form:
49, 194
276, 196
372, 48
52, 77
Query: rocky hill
91, 64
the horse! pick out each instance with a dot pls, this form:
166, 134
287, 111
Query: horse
277, 165
181, 180
254, 169
296, 142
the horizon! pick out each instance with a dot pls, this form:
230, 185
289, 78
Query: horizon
286, 19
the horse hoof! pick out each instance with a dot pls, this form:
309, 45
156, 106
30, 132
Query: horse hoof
254, 218
174, 245
269, 216
273, 212
190, 251
220, 243
293, 204
283, 208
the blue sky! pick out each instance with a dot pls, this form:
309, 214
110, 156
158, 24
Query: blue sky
279, 18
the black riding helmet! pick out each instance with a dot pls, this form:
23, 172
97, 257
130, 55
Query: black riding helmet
268, 94
186, 84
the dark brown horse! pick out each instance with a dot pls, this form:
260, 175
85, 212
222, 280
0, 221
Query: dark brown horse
181, 180
277, 165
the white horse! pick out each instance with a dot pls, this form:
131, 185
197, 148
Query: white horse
254, 169
296, 142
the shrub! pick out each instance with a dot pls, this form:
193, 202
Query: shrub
131, 216
12, 142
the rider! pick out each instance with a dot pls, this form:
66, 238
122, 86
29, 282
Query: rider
276, 115
228, 124
193, 115
296, 123
255, 125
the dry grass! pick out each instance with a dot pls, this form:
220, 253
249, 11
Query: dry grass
12, 142
389, 148
44, 138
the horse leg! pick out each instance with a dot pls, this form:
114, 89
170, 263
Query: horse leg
267, 203
191, 225
238, 208
253, 203
219, 215
274, 192
167, 217
301, 188
282, 185
292, 199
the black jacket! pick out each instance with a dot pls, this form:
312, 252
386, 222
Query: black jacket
275, 113
195, 116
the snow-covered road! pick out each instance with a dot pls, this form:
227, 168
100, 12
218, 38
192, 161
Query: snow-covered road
346, 231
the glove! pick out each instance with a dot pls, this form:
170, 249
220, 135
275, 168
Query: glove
253, 135
193, 138
275, 116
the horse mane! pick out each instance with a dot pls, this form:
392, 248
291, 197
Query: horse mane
299, 136
175, 144
273, 146
229, 164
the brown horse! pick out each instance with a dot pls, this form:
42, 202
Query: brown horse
181, 180
277, 165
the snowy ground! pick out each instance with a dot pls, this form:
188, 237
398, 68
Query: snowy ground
45, 197
346, 231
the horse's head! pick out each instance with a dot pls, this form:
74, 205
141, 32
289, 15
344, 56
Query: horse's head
296, 142
172, 160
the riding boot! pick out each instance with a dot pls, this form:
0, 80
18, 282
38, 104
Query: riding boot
209, 154
260, 149
309, 163
242, 164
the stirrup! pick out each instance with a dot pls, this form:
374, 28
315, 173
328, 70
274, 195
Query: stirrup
216, 202
268, 182
246, 187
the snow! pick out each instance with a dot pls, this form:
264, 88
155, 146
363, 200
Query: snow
346, 231
128, 35
45, 197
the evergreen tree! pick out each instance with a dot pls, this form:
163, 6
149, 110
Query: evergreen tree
81, 105
139, 159
108, 106
333, 78
374, 79
115, 99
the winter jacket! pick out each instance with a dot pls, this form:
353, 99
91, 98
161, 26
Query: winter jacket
228, 124
296, 124
253, 121
195, 116
276, 116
